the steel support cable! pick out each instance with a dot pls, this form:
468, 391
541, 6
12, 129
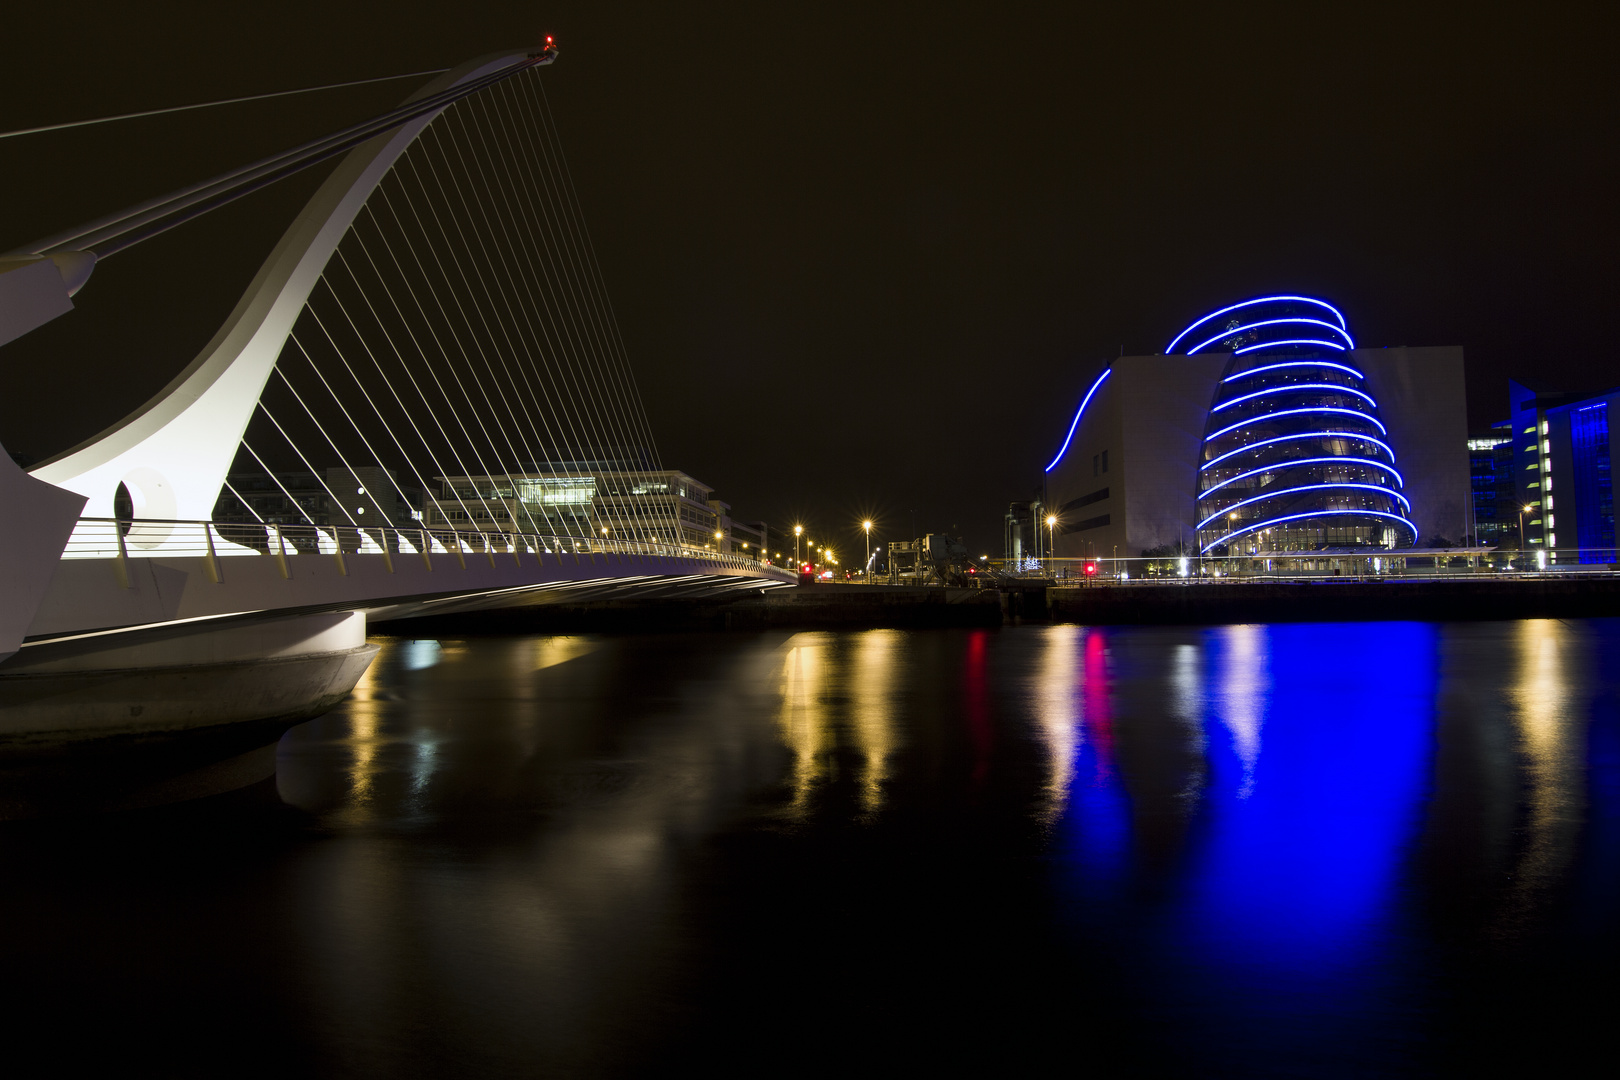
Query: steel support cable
382, 236
530, 346
606, 298
211, 104
343, 308
512, 185
574, 358
574, 525
567, 298
399, 222
247, 505
427, 362
495, 345
510, 259
555, 357
147, 219
645, 426
271, 474
342, 457
567, 231
301, 457
426, 488
471, 330
513, 214
557, 422
473, 444
382, 372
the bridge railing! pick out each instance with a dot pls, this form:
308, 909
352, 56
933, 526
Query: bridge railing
121, 539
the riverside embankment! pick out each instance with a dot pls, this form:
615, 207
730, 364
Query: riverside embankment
806, 607
1572, 596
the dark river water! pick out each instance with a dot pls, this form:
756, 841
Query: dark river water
1307, 850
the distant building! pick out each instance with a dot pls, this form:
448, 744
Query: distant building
663, 507
1563, 450
1490, 465
364, 496
1264, 430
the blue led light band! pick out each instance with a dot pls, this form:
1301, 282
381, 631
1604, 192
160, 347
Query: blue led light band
1295, 412
1281, 465
1303, 435
1171, 348
1273, 322
1292, 363
1077, 414
1286, 387
1269, 522
1289, 341
1304, 487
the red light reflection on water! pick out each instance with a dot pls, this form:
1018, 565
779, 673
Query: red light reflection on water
976, 705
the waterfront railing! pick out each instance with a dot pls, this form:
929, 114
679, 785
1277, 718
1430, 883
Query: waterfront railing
123, 538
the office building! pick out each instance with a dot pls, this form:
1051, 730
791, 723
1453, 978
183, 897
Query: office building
665, 507
1563, 486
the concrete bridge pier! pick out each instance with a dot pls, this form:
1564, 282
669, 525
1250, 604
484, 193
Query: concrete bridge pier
121, 719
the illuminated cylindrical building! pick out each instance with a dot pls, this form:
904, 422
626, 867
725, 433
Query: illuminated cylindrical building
1263, 428
1294, 456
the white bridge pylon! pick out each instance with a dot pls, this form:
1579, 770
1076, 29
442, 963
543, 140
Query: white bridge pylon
174, 453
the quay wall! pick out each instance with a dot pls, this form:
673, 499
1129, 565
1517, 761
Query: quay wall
1587, 596
812, 607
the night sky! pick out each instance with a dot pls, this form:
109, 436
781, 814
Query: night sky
866, 262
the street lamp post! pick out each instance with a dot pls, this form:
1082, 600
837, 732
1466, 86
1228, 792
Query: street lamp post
797, 530
867, 574
1524, 541
1051, 523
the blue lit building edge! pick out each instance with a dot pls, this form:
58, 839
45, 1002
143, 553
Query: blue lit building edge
1293, 444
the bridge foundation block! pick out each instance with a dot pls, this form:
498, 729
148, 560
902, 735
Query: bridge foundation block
119, 720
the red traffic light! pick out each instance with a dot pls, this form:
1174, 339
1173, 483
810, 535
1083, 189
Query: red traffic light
1091, 569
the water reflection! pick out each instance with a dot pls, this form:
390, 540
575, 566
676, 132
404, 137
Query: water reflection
839, 695
1234, 850
1303, 840
1055, 697
1548, 710
874, 696
1280, 922
1245, 684
806, 726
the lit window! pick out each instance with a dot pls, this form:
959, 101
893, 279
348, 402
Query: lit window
1549, 500
1544, 427
1546, 446
1550, 522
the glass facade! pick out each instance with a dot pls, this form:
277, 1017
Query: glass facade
1295, 457
1592, 483
1490, 466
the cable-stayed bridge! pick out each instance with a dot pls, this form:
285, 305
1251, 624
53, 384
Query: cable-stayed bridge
432, 332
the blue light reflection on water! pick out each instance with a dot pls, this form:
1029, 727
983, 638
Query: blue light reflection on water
1096, 837
1284, 901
